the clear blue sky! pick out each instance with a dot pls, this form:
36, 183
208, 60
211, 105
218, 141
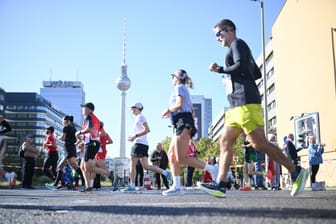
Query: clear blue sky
82, 39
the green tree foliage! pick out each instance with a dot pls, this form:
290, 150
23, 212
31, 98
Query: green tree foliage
207, 148
166, 143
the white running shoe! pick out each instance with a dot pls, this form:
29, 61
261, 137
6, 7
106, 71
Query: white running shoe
173, 192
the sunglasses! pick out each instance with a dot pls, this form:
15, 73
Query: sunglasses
220, 32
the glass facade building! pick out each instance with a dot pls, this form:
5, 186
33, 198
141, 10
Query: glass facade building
66, 96
30, 113
203, 115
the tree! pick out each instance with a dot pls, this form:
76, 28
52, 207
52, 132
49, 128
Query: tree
165, 144
208, 148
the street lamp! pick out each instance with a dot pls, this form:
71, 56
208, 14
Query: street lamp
333, 52
264, 64
265, 76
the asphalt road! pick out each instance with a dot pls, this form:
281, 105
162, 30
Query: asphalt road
41, 206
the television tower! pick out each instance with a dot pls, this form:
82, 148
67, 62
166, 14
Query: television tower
123, 83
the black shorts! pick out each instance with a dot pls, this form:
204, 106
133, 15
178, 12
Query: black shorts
70, 151
139, 150
90, 150
184, 120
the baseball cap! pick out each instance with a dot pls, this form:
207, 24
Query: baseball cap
137, 105
180, 74
88, 105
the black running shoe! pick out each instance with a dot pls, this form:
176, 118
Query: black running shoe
86, 190
213, 188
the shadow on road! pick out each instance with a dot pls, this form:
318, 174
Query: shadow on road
279, 213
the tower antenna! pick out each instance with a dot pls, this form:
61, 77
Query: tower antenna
124, 41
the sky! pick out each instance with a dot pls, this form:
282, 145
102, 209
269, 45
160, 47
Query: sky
82, 40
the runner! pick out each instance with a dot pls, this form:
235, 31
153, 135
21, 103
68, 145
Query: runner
69, 139
140, 147
245, 112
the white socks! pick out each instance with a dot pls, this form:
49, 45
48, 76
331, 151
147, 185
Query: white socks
177, 182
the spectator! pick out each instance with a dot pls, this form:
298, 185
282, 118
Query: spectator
274, 167
248, 168
192, 152
315, 152
259, 179
291, 152
159, 158
30, 154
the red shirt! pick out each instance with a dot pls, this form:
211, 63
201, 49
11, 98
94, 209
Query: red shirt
51, 140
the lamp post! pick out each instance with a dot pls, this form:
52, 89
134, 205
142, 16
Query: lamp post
333, 52
264, 64
264, 76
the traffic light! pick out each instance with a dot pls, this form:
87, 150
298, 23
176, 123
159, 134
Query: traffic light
301, 141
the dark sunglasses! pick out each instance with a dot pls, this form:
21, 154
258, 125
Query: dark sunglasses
220, 32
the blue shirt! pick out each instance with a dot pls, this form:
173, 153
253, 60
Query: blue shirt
181, 90
315, 154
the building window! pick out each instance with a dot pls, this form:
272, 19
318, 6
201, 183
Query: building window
271, 89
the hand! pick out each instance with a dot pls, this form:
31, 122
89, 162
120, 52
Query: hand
213, 67
78, 134
166, 114
131, 138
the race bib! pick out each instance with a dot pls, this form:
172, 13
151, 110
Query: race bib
227, 83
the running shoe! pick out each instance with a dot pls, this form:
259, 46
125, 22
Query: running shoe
128, 189
213, 188
116, 185
300, 182
51, 186
190, 188
86, 190
173, 192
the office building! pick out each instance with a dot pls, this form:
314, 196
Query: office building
65, 96
29, 113
203, 115
305, 76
